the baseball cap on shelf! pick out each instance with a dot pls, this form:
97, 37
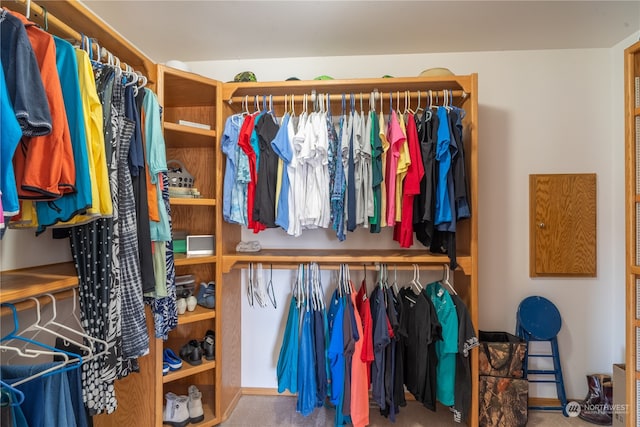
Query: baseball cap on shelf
387, 76
292, 78
323, 77
436, 72
245, 76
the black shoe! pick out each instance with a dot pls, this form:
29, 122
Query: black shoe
209, 347
192, 353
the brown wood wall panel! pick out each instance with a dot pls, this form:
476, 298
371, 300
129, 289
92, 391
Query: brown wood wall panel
563, 224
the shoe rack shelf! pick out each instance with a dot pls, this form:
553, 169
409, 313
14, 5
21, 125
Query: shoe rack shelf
198, 315
187, 96
189, 370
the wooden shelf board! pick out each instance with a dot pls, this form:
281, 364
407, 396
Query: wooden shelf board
200, 313
331, 256
637, 111
184, 89
347, 86
184, 201
209, 416
635, 269
187, 136
181, 259
20, 284
188, 370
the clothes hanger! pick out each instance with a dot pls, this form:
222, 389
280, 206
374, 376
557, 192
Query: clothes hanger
32, 354
15, 391
445, 279
250, 295
38, 327
81, 331
71, 360
416, 278
270, 293
419, 108
395, 279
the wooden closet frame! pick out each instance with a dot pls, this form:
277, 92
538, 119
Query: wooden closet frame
69, 18
632, 199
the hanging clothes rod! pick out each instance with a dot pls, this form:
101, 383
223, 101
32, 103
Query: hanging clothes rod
50, 23
337, 97
374, 266
27, 304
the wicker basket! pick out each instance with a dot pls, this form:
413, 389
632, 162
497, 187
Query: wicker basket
179, 176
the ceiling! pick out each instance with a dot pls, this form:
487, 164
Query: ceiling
222, 30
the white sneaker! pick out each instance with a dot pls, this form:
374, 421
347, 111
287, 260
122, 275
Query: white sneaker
191, 303
181, 305
176, 413
196, 413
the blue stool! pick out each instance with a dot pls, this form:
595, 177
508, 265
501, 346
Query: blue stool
539, 320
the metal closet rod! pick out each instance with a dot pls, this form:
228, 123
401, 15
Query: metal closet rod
337, 97
27, 304
374, 266
62, 28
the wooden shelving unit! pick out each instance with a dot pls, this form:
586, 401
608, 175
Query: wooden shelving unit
464, 90
632, 207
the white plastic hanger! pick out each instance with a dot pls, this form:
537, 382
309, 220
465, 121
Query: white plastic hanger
38, 327
445, 279
98, 351
416, 278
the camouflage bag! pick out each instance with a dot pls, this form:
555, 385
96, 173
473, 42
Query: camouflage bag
501, 354
503, 401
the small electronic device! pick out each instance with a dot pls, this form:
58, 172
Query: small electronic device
200, 245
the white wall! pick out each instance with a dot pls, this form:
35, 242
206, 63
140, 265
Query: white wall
540, 112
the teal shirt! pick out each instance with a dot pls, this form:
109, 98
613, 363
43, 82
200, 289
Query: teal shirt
448, 347
157, 162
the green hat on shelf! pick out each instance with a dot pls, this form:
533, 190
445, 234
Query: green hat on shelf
245, 76
323, 77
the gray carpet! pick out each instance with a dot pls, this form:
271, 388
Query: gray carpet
280, 411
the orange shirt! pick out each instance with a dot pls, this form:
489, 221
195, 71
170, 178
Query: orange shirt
152, 194
44, 165
359, 377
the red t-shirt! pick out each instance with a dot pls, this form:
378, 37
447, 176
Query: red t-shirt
403, 232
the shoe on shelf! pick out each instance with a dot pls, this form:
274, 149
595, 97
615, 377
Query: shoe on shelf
209, 346
192, 353
165, 368
207, 295
176, 412
191, 303
196, 413
181, 305
171, 359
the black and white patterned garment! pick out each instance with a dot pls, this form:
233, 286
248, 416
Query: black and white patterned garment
165, 313
92, 246
135, 338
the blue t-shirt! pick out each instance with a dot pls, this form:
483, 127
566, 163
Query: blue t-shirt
282, 147
229, 146
335, 352
443, 156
